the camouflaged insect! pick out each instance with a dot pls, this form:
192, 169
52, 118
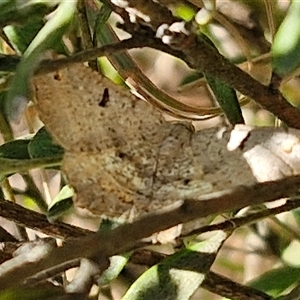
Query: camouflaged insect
120, 153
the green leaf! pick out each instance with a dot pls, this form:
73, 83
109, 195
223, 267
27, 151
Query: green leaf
179, 275
117, 264
16, 149
42, 145
296, 214
227, 99
185, 12
47, 38
20, 37
276, 281
286, 46
224, 94
61, 204
18, 12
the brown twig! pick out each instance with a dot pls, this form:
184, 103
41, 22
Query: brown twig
225, 287
247, 220
36, 221
48, 66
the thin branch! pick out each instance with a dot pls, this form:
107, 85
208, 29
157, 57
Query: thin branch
48, 66
49, 273
8, 63
246, 220
225, 287
36, 221
124, 238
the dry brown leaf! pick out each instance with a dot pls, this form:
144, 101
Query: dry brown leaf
122, 154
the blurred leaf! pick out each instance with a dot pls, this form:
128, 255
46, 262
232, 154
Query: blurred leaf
296, 214
61, 204
47, 38
20, 37
5, 128
117, 264
286, 46
8, 63
17, 12
185, 12
51, 292
109, 224
179, 275
276, 281
42, 145
16, 149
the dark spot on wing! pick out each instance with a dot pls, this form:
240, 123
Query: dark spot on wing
57, 76
105, 98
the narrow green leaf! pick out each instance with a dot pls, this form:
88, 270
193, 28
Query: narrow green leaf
227, 99
179, 275
224, 94
286, 46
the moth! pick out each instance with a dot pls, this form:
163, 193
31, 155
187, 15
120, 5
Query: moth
122, 155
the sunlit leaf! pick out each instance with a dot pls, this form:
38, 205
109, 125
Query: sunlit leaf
276, 281
286, 46
178, 276
61, 204
117, 264
21, 36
